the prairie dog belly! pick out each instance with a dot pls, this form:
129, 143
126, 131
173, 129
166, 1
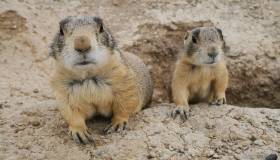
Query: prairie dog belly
200, 85
93, 95
199, 93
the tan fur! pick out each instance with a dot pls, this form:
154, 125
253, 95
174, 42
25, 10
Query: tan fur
194, 83
116, 85
118, 96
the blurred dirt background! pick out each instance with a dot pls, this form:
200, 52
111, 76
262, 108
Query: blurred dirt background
30, 124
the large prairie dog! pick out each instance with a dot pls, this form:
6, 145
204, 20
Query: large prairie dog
200, 72
93, 77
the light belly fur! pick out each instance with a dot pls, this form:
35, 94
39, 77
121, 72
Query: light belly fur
200, 84
91, 99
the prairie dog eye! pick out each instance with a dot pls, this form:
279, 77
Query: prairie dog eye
61, 31
194, 40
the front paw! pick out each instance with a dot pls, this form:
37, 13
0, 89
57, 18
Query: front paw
182, 111
218, 101
116, 127
80, 135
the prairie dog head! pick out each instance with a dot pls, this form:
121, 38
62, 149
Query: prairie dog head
82, 43
204, 45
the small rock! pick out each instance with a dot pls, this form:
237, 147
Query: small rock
215, 156
253, 138
277, 129
258, 142
218, 150
19, 129
116, 2
19, 103
14, 27
36, 91
236, 157
210, 153
173, 26
209, 125
151, 155
244, 144
35, 123
230, 151
271, 157
238, 151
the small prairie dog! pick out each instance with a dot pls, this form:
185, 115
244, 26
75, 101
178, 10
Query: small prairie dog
92, 77
200, 73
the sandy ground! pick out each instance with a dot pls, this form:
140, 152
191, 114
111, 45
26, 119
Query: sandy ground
30, 124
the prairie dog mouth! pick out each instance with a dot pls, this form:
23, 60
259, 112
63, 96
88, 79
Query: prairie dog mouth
211, 62
83, 63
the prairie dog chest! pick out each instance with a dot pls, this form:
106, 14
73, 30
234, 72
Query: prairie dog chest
200, 79
94, 92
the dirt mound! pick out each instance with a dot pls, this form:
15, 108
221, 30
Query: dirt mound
11, 24
225, 133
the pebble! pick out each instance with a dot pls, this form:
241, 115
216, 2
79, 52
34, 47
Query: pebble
210, 153
19, 103
14, 27
271, 157
35, 123
209, 125
215, 156
258, 142
151, 155
236, 157
238, 151
36, 91
253, 138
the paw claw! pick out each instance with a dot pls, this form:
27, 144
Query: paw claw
184, 112
80, 136
218, 102
115, 127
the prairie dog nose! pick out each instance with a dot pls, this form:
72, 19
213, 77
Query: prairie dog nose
82, 44
212, 54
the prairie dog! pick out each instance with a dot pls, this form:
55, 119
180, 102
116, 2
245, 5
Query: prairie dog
200, 73
93, 77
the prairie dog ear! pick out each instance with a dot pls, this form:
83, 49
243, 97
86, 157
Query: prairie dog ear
195, 35
62, 25
99, 23
220, 33
104, 35
226, 48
